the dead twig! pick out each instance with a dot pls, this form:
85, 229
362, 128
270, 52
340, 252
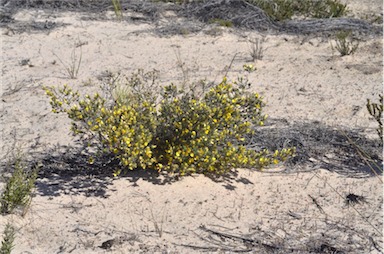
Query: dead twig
230, 65
209, 248
357, 211
252, 242
317, 204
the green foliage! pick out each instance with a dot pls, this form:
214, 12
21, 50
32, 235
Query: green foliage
376, 110
277, 9
117, 8
18, 188
344, 44
328, 9
222, 22
280, 10
183, 134
8, 239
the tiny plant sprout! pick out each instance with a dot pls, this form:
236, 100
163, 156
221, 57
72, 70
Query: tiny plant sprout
249, 68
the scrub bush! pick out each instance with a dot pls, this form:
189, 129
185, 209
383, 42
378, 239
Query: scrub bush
280, 10
175, 130
18, 187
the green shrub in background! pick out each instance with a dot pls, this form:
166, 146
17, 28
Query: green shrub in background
183, 134
327, 9
280, 10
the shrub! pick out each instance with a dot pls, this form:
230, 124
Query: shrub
277, 9
18, 188
280, 10
328, 9
183, 134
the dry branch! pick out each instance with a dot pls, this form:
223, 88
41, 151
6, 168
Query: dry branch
329, 25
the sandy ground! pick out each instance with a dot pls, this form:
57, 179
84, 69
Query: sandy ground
302, 80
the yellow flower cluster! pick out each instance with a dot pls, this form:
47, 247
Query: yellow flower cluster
184, 134
205, 135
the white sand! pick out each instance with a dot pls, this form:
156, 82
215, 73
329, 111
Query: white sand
301, 79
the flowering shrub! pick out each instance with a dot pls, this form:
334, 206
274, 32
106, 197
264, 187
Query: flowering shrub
183, 134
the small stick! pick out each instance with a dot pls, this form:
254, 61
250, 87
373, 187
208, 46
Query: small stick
230, 65
317, 204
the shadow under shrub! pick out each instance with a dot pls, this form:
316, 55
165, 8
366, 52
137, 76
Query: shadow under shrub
176, 130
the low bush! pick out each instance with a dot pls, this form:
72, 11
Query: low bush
18, 188
183, 133
280, 10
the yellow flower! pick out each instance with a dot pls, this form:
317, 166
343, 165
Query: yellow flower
148, 152
249, 67
117, 172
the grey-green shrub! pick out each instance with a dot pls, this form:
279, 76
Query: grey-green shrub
280, 10
18, 188
7, 243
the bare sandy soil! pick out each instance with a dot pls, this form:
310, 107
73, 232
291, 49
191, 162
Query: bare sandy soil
298, 207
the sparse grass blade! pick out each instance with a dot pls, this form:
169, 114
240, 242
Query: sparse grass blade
344, 44
256, 48
117, 8
373, 166
72, 69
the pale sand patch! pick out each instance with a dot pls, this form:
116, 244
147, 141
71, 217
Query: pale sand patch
269, 207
